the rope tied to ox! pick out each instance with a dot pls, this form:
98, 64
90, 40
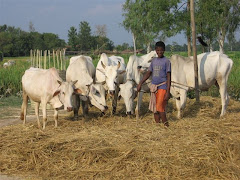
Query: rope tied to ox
192, 88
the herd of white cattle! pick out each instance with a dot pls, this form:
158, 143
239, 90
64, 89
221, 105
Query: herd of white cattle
89, 85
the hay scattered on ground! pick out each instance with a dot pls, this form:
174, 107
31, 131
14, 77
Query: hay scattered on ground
199, 146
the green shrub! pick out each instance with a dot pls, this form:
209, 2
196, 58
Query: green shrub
1, 56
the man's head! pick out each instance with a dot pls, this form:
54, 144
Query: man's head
160, 48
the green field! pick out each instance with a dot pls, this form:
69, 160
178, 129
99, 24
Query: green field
10, 78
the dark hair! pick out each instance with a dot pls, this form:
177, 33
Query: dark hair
160, 44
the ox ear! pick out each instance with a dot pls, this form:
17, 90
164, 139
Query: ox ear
103, 65
119, 64
59, 82
77, 91
56, 92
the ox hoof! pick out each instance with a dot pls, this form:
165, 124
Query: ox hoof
131, 116
102, 114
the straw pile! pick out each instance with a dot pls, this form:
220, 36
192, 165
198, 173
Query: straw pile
200, 146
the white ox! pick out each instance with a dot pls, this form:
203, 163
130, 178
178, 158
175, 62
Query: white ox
110, 70
9, 63
133, 77
213, 68
83, 70
45, 86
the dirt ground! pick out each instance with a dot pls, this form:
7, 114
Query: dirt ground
197, 118
10, 116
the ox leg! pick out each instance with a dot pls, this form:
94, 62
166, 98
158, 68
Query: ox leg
76, 105
24, 108
114, 102
37, 113
139, 102
181, 103
44, 111
56, 117
224, 97
85, 108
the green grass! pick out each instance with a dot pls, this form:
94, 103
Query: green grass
11, 101
11, 76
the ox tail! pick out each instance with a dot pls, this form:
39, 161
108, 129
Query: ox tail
24, 105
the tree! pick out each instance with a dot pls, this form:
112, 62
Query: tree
132, 15
146, 19
31, 27
215, 23
73, 38
85, 38
16, 42
101, 30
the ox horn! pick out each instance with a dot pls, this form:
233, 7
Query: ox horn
74, 82
119, 64
103, 65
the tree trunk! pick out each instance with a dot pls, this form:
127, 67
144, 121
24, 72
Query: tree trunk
134, 43
221, 40
148, 47
189, 32
192, 10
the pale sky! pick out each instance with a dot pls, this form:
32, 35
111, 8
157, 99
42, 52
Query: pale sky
57, 16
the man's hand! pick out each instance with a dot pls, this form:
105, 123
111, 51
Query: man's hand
167, 96
139, 87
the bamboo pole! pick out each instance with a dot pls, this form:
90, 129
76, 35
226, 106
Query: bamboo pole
54, 58
42, 62
37, 59
45, 59
192, 10
64, 57
31, 57
57, 54
60, 57
49, 60
34, 56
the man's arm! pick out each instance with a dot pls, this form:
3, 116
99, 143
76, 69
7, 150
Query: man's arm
145, 77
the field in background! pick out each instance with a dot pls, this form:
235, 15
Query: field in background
10, 78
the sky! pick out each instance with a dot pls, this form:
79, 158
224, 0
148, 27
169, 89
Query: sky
57, 16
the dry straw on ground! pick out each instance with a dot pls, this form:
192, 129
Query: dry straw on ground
200, 146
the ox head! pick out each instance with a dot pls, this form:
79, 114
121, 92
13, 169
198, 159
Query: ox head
65, 92
111, 74
147, 59
128, 94
97, 96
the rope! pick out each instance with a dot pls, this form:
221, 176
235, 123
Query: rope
185, 85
